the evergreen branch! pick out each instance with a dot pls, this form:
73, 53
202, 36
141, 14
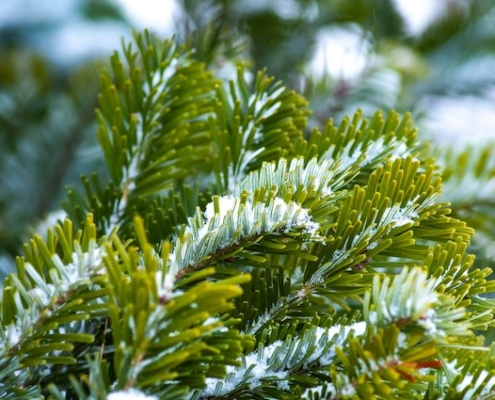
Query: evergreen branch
470, 375
468, 176
434, 313
244, 255
157, 334
358, 146
390, 357
253, 127
47, 305
153, 113
378, 220
275, 364
229, 220
457, 277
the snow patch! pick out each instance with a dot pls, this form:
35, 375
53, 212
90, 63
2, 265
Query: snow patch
130, 394
83, 265
260, 366
230, 219
256, 368
476, 383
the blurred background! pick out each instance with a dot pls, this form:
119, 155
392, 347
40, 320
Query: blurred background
434, 58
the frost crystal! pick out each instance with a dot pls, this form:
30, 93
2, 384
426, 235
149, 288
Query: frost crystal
328, 392
43, 295
262, 319
338, 334
164, 284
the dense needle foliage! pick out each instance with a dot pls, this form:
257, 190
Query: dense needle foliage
233, 252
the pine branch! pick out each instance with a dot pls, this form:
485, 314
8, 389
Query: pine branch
229, 256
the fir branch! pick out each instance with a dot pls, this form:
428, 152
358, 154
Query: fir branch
274, 365
46, 306
245, 253
435, 313
228, 221
254, 126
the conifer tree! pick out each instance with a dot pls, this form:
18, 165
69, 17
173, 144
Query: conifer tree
233, 252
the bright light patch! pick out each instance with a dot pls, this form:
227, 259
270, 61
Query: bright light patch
340, 52
130, 394
157, 15
419, 14
462, 119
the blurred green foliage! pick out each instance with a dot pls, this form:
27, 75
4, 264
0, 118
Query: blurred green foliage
47, 131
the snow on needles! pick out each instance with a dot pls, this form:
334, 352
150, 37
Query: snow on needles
376, 150
130, 394
226, 220
474, 383
274, 362
410, 296
315, 175
84, 265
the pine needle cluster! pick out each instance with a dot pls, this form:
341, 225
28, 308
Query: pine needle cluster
234, 253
